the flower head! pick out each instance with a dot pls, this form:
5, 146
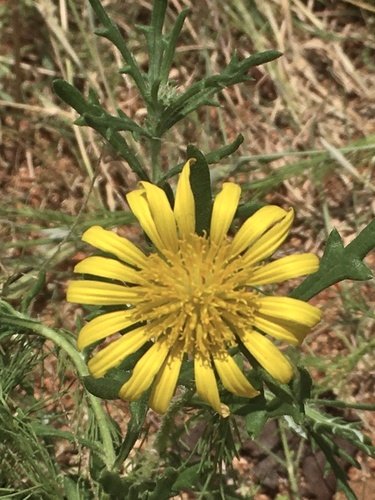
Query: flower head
195, 297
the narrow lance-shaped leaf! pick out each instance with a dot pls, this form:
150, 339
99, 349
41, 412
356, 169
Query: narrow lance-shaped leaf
327, 446
201, 186
171, 42
155, 40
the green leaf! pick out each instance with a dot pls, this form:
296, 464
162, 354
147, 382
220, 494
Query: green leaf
248, 209
327, 446
201, 186
280, 390
89, 111
73, 97
339, 263
129, 362
155, 41
112, 33
48, 431
301, 386
279, 408
187, 478
113, 484
171, 42
164, 485
115, 123
212, 157
255, 421
71, 489
104, 388
199, 93
225, 151
33, 291
138, 412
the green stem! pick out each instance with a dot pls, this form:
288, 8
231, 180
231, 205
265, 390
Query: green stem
155, 159
19, 320
343, 404
161, 441
290, 465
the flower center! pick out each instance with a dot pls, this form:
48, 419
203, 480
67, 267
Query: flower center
198, 296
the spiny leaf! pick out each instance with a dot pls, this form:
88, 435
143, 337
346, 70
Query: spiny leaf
339, 263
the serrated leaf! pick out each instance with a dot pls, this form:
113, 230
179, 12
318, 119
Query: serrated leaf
203, 90
339, 263
75, 99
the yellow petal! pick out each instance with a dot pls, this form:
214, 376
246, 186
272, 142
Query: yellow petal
162, 215
287, 331
270, 240
224, 208
138, 204
184, 206
97, 293
117, 351
103, 326
107, 241
285, 268
144, 372
289, 309
206, 385
255, 226
268, 356
107, 268
166, 380
232, 377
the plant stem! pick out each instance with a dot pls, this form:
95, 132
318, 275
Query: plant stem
155, 159
343, 404
22, 321
289, 462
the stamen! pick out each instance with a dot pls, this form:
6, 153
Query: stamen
197, 295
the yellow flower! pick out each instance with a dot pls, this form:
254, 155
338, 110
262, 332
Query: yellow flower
195, 297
